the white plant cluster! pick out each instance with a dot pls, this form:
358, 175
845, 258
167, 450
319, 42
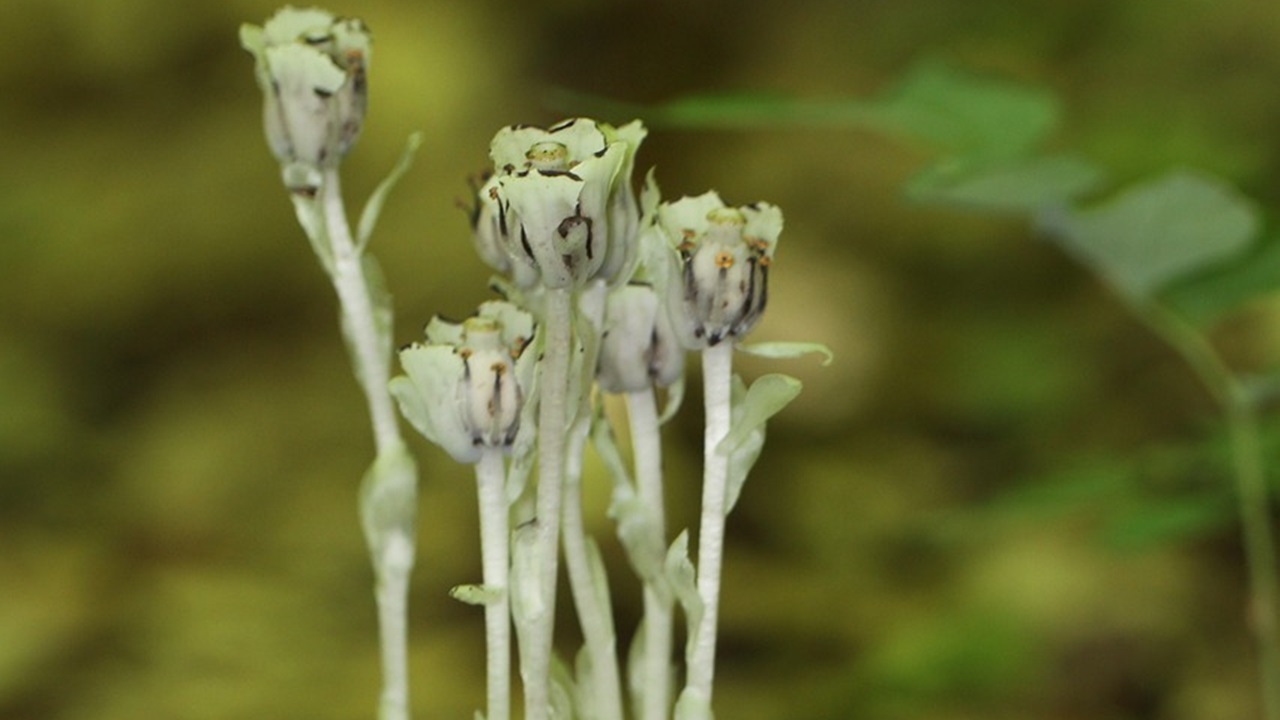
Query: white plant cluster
603, 293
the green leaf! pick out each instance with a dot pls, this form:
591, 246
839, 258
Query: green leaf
675, 397
966, 114
373, 207
1205, 297
476, 594
1156, 232
788, 350
764, 399
683, 580
527, 606
1160, 521
1022, 185
956, 111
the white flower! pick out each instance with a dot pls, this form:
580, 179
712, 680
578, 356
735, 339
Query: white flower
639, 348
724, 255
559, 209
465, 388
311, 67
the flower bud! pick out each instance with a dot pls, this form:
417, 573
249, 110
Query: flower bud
639, 347
559, 209
724, 256
465, 387
311, 67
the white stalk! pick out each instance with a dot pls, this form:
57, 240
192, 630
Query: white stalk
552, 418
357, 307
394, 563
494, 551
593, 617
642, 414
717, 373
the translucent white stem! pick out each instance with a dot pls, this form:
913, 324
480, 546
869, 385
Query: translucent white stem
535, 671
394, 548
594, 614
494, 551
642, 414
717, 372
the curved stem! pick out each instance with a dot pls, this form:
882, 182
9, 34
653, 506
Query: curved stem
552, 420
642, 413
392, 546
494, 551
717, 373
357, 305
1257, 534
593, 610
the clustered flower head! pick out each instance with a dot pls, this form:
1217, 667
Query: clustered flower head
723, 255
558, 210
312, 68
466, 386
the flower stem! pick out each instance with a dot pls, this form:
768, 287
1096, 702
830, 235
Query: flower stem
552, 420
358, 310
642, 413
717, 373
593, 610
1257, 534
393, 543
494, 534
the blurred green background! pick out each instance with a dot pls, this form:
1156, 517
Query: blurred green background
1004, 500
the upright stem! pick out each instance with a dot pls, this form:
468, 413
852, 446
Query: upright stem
717, 373
1259, 544
1255, 509
552, 420
642, 413
393, 546
593, 611
494, 533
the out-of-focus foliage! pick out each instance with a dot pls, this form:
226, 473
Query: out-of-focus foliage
999, 502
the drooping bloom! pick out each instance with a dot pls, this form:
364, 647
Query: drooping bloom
559, 209
639, 348
724, 253
311, 67
465, 387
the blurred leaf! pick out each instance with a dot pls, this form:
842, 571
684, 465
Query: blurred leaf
476, 594
1158, 231
966, 114
1207, 296
788, 350
388, 506
1158, 521
956, 111
1023, 185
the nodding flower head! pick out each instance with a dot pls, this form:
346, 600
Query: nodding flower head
723, 255
311, 67
465, 388
559, 209
639, 348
